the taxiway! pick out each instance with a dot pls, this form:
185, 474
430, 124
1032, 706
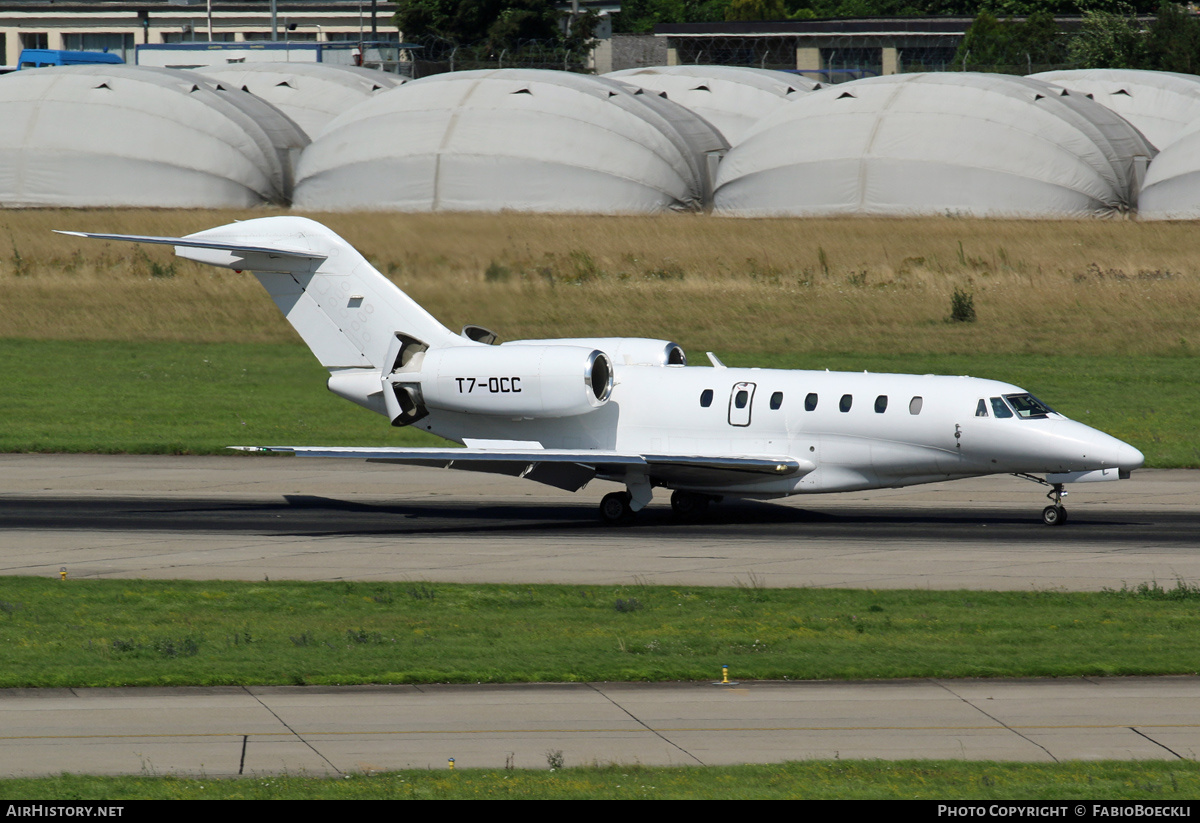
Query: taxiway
246, 517
250, 518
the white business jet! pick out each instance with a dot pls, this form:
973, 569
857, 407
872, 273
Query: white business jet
562, 412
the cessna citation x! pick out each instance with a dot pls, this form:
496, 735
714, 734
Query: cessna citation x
562, 412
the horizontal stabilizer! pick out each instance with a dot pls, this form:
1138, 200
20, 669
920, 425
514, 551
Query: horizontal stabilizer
344, 310
255, 258
197, 244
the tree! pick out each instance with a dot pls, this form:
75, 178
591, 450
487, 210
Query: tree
1173, 41
1011, 46
984, 43
496, 24
1042, 42
641, 16
1109, 40
756, 10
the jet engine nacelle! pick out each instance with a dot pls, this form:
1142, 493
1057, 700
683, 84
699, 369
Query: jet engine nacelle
515, 381
629, 351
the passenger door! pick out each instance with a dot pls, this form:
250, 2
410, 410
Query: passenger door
740, 402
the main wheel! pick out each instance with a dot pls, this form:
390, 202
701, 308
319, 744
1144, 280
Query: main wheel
615, 510
1054, 515
688, 504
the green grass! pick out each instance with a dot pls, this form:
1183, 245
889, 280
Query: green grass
131, 632
198, 398
175, 398
1175, 781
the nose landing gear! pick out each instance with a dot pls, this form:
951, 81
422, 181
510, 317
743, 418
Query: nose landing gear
1055, 514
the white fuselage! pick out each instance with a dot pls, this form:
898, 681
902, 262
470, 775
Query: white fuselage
863, 431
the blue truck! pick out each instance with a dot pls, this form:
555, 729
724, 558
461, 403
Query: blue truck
37, 58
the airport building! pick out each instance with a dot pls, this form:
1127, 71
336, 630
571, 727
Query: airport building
824, 50
119, 27
829, 50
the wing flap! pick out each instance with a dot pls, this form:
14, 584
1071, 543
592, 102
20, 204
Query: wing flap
692, 471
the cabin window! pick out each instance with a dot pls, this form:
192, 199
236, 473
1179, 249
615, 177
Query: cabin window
706, 398
1028, 407
810, 401
981, 408
881, 404
1000, 408
776, 400
914, 405
845, 403
741, 399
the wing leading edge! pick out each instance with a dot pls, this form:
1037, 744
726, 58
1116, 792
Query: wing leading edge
569, 469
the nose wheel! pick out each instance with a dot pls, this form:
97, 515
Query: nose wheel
1055, 514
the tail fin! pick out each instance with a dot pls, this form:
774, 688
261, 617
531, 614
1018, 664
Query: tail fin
347, 312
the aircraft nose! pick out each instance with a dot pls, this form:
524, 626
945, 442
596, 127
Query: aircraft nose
1116, 452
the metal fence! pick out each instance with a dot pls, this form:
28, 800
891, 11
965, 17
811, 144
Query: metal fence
836, 59
436, 55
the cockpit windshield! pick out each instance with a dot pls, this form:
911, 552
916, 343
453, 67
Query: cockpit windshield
1028, 407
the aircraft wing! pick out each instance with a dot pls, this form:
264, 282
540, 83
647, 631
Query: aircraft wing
571, 469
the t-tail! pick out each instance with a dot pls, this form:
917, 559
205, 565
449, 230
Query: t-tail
360, 326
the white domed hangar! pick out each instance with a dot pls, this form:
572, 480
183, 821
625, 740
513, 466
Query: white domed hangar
949, 143
113, 135
732, 98
311, 94
511, 139
1160, 104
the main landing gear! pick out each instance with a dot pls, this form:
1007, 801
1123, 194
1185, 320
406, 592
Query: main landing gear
689, 505
1055, 514
617, 508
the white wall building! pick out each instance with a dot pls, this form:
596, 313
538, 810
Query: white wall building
120, 26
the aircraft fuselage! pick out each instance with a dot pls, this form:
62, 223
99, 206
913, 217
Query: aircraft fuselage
860, 430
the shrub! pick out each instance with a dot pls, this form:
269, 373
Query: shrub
962, 307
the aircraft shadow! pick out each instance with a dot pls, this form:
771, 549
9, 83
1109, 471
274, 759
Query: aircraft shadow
318, 516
